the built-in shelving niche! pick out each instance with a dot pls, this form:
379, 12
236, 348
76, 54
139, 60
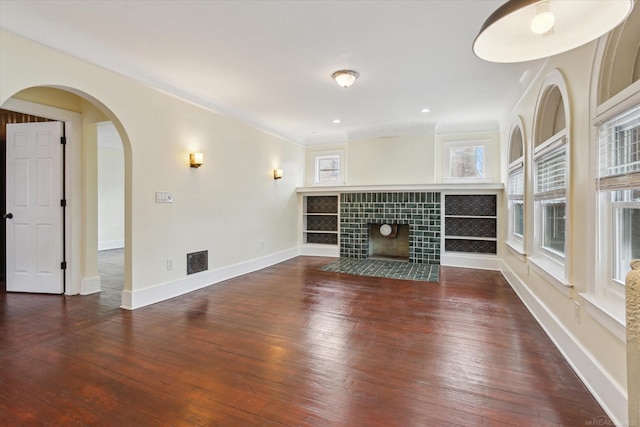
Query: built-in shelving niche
470, 223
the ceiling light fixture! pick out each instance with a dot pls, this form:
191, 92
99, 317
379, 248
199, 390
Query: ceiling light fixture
544, 19
336, 121
345, 78
425, 110
524, 30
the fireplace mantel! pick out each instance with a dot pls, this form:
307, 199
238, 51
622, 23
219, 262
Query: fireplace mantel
474, 187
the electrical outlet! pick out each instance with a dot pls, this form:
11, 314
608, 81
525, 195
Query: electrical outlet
169, 264
262, 246
576, 312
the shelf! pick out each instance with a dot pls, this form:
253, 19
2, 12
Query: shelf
320, 219
470, 224
489, 239
472, 216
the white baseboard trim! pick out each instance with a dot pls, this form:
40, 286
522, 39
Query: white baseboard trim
132, 300
91, 285
320, 250
483, 262
105, 245
609, 394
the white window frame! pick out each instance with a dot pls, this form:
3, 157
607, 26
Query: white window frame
451, 147
515, 240
609, 293
319, 156
548, 259
516, 177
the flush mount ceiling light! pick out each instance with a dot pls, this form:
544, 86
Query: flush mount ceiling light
345, 78
524, 30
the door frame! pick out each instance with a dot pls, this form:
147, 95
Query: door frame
74, 252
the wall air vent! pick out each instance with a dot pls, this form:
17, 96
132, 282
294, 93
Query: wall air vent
197, 262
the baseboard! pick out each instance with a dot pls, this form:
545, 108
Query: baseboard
91, 285
611, 396
320, 250
467, 260
106, 245
132, 300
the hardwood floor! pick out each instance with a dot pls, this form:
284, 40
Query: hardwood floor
290, 345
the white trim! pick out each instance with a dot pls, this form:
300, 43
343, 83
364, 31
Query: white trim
622, 101
91, 285
138, 298
517, 250
320, 250
399, 188
477, 261
609, 394
106, 245
606, 316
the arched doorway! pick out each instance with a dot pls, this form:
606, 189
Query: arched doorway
81, 114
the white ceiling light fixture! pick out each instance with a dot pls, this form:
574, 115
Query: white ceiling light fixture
543, 21
345, 78
525, 30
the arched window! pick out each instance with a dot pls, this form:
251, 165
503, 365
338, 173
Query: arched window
550, 178
617, 107
515, 187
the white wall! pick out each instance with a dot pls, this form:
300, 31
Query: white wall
231, 206
391, 160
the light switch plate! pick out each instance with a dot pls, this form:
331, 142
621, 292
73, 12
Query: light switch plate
164, 197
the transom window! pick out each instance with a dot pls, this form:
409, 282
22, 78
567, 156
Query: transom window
327, 169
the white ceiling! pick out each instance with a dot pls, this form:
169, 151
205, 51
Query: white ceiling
269, 63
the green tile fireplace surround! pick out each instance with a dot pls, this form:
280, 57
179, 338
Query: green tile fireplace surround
335, 221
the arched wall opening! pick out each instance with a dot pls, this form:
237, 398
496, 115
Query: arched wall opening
81, 114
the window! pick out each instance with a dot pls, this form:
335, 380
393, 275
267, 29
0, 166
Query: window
515, 189
550, 197
467, 160
327, 169
516, 200
619, 189
550, 184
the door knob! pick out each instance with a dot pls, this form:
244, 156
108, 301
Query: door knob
7, 215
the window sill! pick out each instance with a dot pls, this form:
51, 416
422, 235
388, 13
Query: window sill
552, 275
517, 251
607, 315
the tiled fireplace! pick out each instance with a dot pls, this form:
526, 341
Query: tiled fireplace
420, 210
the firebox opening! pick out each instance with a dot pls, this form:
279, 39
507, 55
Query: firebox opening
389, 241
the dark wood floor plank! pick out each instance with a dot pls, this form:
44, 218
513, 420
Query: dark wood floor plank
289, 345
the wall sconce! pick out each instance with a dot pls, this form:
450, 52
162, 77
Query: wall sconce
196, 160
277, 174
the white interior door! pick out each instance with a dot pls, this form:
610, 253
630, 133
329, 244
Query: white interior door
34, 214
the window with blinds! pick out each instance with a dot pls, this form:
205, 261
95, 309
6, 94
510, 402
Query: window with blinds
619, 187
516, 184
551, 174
619, 151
